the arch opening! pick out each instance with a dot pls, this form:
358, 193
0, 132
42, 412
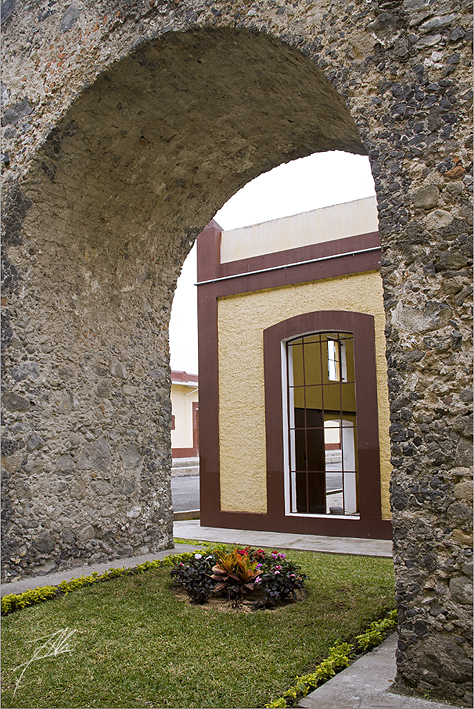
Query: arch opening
121, 187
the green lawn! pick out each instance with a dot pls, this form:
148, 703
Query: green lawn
135, 645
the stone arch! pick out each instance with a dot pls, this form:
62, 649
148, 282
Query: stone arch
104, 196
113, 200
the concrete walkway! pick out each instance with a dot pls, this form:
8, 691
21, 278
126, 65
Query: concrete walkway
67, 575
191, 529
364, 685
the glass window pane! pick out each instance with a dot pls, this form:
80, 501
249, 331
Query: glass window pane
300, 443
348, 354
323, 446
334, 361
332, 398
314, 397
348, 397
296, 361
312, 363
312, 339
315, 453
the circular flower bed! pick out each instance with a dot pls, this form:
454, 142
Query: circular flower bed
267, 579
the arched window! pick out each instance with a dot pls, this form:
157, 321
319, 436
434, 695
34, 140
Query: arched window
322, 424
321, 420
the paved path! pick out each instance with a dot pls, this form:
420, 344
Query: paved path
366, 685
191, 529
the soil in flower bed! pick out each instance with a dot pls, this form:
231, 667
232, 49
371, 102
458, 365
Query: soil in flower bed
221, 603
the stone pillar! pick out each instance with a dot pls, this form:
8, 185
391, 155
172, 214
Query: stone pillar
421, 166
86, 437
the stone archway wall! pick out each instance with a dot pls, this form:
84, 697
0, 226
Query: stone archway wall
125, 128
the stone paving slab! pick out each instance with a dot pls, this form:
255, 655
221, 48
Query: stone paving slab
366, 685
191, 529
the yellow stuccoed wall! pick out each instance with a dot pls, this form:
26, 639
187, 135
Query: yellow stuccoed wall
241, 321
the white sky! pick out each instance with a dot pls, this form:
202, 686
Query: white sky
299, 186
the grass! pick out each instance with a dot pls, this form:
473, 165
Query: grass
136, 645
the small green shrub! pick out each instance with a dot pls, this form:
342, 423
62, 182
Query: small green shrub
376, 632
235, 573
16, 601
195, 577
339, 658
280, 579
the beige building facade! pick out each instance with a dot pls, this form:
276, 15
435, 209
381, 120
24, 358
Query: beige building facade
295, 416
184, 415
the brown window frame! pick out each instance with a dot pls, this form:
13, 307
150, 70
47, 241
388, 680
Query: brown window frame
274, 339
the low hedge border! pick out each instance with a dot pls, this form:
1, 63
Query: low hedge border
340, 656
16, 601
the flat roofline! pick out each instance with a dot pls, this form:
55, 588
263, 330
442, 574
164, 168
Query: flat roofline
291, 216
184, 378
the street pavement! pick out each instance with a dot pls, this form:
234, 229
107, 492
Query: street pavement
185, 492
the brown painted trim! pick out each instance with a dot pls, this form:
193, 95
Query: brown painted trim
196, 426
184, 452
208, 255
209, 463
356, 261
326, 526
209, 247
302, 273
324, 249
183, 378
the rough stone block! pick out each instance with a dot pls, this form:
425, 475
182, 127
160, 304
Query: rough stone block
130, 456
426, 198
463, 491
65, 464
44, 544
461, 590
15, 402
117, 369
95, 456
